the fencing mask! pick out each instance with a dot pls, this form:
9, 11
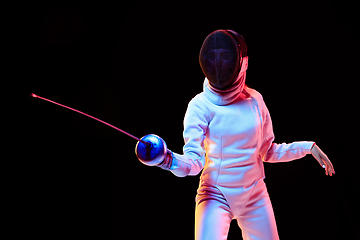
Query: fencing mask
222, 57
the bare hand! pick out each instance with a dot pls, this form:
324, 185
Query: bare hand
323, 160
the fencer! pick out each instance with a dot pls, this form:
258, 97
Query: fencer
228, 135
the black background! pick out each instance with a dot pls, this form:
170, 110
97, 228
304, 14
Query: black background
135, 65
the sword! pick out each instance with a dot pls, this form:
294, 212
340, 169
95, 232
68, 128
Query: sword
73, 109
151, 149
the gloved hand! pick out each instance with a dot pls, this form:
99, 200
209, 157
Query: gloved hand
167, 162
175, 163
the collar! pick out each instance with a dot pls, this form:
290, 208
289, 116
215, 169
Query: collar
225, 97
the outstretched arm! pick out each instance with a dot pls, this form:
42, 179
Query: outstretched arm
323, 160
272, 152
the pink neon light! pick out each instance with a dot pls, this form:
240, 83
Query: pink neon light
73, 109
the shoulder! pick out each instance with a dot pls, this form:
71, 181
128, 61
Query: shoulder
198, 106
199, 101
254, 94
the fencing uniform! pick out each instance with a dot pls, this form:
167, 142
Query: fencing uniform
229, 140
228, 135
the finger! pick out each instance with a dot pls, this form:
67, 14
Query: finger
332, 167
329, 166
321, 162
326, 166
328, 172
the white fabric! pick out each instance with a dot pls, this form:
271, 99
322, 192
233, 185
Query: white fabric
254, 214
236, 137
229, 135
224, 97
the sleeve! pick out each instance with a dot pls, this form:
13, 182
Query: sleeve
285, 152
195, 126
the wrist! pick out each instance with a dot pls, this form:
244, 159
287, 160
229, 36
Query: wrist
312, 146
167, 162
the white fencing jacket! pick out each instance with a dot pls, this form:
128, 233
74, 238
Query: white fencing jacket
229, 136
